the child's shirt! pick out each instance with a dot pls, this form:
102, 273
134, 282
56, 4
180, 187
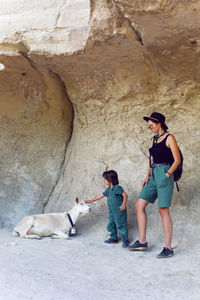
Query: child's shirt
114, 196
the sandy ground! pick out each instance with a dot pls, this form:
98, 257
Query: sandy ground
86, 268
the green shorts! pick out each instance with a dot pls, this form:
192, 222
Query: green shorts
160, 187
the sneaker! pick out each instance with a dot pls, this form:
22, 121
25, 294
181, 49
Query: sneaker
125, 244
137, 246
111, 241
165, 253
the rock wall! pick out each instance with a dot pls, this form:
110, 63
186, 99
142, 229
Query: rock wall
35, 127
116, 61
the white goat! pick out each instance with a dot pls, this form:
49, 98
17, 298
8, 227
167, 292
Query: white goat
56, 225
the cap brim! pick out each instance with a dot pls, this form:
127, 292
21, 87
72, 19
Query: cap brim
164, 126
146, 119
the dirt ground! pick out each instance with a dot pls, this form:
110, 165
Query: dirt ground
86, 268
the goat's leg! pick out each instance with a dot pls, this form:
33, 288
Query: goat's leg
30, 236
59, 235
24, 227
15, 233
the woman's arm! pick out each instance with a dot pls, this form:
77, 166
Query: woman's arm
171, 143
123, 205
95, 199
148, 171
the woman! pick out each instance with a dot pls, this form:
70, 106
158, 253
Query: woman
159, 183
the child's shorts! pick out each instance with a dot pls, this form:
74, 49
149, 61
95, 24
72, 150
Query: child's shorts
159, 186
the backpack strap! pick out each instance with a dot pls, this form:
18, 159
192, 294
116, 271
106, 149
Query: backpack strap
177, 187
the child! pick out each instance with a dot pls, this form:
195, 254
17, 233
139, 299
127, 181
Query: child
116, 199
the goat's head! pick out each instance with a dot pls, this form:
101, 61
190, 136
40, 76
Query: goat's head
83, 207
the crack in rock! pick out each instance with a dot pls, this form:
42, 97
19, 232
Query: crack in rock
136, 32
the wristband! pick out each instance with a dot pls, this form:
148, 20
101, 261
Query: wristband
169, 173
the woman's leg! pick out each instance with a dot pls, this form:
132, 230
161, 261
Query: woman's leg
167, 225
140, 206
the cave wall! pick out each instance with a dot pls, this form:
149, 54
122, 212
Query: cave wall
114, 62
35, 126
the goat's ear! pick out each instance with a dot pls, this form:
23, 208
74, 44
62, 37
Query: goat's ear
76, 199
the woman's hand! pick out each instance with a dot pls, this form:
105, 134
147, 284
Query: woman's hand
145, 181
122, 207
167, 175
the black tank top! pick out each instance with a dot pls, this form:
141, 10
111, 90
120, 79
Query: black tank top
161, 153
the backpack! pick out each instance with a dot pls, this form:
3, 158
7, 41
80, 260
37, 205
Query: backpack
179, 170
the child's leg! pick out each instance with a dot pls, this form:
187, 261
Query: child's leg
111, 227
121, 223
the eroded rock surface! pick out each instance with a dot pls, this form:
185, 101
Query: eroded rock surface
116, 61
35, 127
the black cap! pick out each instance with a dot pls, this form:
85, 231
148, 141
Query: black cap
157, 117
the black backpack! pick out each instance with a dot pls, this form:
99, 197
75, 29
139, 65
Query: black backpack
179, 170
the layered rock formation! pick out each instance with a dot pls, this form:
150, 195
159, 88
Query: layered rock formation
107, 63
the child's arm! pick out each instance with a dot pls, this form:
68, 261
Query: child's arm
95, 199
125, 197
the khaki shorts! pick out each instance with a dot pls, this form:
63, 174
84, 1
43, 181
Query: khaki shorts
160, 187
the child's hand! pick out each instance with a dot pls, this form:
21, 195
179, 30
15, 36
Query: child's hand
122, 207
88, 201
